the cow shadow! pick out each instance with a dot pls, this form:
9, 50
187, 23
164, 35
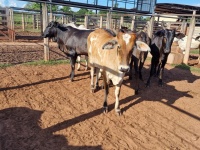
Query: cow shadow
20, 130
167, 94
46, 81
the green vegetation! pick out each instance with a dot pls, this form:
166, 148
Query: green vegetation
51, 62
196, 51
4, 65
186, 67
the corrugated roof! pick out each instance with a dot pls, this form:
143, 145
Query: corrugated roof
175, 8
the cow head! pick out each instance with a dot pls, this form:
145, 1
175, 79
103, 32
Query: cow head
143, 36
123, 44
167, 36
51, 31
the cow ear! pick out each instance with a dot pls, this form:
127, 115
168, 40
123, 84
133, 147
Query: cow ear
141, 46
109, 45
197, 38
179, 35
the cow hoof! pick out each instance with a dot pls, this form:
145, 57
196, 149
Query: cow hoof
147, 85
118, 112
105, 110
71, 80
98, 87
136, 92
92, 90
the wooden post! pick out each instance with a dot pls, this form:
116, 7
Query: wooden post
183, 27
33, 21
133, 23
11, 19
45, 23
67, 19
189, 38
121, 21
108, 20
150, 26
26, 20
37, 21
23, 22
62, 19
101, 22
50, 14
86, 22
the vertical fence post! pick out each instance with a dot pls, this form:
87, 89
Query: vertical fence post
183, 27
23, 23
33, 21
86, 22
133, 23
37, 21
101, 22
50, 14
46, 40
189, 38
151, 25
121, 21
108, 20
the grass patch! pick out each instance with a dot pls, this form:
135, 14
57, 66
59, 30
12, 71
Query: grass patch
195, 51
186, 67
5, 65
50, 62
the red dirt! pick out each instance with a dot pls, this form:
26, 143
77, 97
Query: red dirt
40, 109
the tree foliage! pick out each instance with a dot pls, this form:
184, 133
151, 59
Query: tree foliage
36, 6
83, 11
66, 9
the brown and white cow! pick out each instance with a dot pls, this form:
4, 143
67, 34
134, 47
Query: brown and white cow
111, 53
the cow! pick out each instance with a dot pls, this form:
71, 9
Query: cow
195, 44
138, 58
72, 41
111, 53
160, 49
82, 27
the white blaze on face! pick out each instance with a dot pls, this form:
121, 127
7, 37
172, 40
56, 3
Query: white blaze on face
126, 38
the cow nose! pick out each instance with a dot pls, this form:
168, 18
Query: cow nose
124, 68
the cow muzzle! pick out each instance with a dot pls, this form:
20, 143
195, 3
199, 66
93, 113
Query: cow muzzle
123, 68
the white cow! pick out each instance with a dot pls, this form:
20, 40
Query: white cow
195, 44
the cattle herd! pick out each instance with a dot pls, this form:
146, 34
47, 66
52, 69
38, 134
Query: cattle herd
111, 53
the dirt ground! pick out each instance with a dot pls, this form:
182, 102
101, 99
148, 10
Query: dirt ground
41, 110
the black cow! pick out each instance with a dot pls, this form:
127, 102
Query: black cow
71, 41
139, 58
160, 49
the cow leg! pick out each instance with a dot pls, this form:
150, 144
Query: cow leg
136, 60
131, 66
73, 62
92, 78
154, 63
161, 70
106, 91
117, 93
142, 60
86, 63
79, 64
97, 78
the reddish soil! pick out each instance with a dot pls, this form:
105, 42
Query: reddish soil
41, 110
